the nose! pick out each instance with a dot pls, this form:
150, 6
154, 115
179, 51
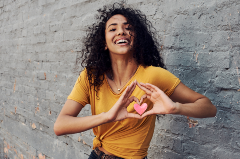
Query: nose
120, 32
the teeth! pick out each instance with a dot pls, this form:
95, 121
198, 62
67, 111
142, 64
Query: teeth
121, 41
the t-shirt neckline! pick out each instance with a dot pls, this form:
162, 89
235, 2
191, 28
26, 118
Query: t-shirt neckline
124, 87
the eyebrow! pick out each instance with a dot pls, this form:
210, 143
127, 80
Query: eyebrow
116, 24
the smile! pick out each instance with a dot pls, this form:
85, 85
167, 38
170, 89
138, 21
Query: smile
122, 41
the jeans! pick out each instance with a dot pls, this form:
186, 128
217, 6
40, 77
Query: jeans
93, 155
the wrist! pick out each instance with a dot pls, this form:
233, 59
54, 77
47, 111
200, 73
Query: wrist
177, 108
106, 117
103, 117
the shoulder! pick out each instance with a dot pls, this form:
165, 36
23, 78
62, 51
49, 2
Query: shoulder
155, 71
84, 72
83, 75
161, 78
83, 78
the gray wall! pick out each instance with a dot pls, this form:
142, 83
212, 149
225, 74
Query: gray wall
39, 42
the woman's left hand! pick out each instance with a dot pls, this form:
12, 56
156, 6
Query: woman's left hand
162, 104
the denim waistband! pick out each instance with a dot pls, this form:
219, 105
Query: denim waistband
97, 154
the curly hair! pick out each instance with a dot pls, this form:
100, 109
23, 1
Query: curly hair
97, 60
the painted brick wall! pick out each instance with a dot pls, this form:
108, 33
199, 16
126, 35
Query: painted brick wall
40, 40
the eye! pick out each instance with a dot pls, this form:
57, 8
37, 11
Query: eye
129, 27
112, 29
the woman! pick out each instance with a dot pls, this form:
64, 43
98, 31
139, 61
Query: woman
123, 67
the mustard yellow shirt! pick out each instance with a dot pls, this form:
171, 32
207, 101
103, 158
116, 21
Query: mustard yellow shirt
129, 138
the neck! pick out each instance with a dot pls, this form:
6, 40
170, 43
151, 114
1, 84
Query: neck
123, 69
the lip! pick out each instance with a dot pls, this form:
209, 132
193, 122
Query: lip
115, 42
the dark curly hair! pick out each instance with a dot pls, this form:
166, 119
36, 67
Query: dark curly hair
97, 60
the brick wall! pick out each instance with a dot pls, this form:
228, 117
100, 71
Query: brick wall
40, 40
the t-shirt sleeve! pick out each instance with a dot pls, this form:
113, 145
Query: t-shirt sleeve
80, 91
167, 81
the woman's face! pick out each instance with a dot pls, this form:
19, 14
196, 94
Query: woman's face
119, 35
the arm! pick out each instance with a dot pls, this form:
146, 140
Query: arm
191, 103
186, 102
68, 122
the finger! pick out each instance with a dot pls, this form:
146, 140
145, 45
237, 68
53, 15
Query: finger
143, 87
148, 97
138, 84
132, 115
131, 99
132, 87
143, 97
125, 91
150, 88
150, 112
146, 86
128, 89
153, 87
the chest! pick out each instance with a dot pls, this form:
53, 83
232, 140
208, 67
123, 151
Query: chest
106, 98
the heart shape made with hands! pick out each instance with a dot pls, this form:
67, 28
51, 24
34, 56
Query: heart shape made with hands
140, 109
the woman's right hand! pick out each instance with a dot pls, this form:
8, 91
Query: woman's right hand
119, 110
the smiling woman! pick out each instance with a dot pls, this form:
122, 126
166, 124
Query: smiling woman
123, 67
119, 35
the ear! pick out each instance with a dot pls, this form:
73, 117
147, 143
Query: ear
105, 47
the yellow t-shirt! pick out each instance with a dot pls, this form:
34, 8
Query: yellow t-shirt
129, 138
